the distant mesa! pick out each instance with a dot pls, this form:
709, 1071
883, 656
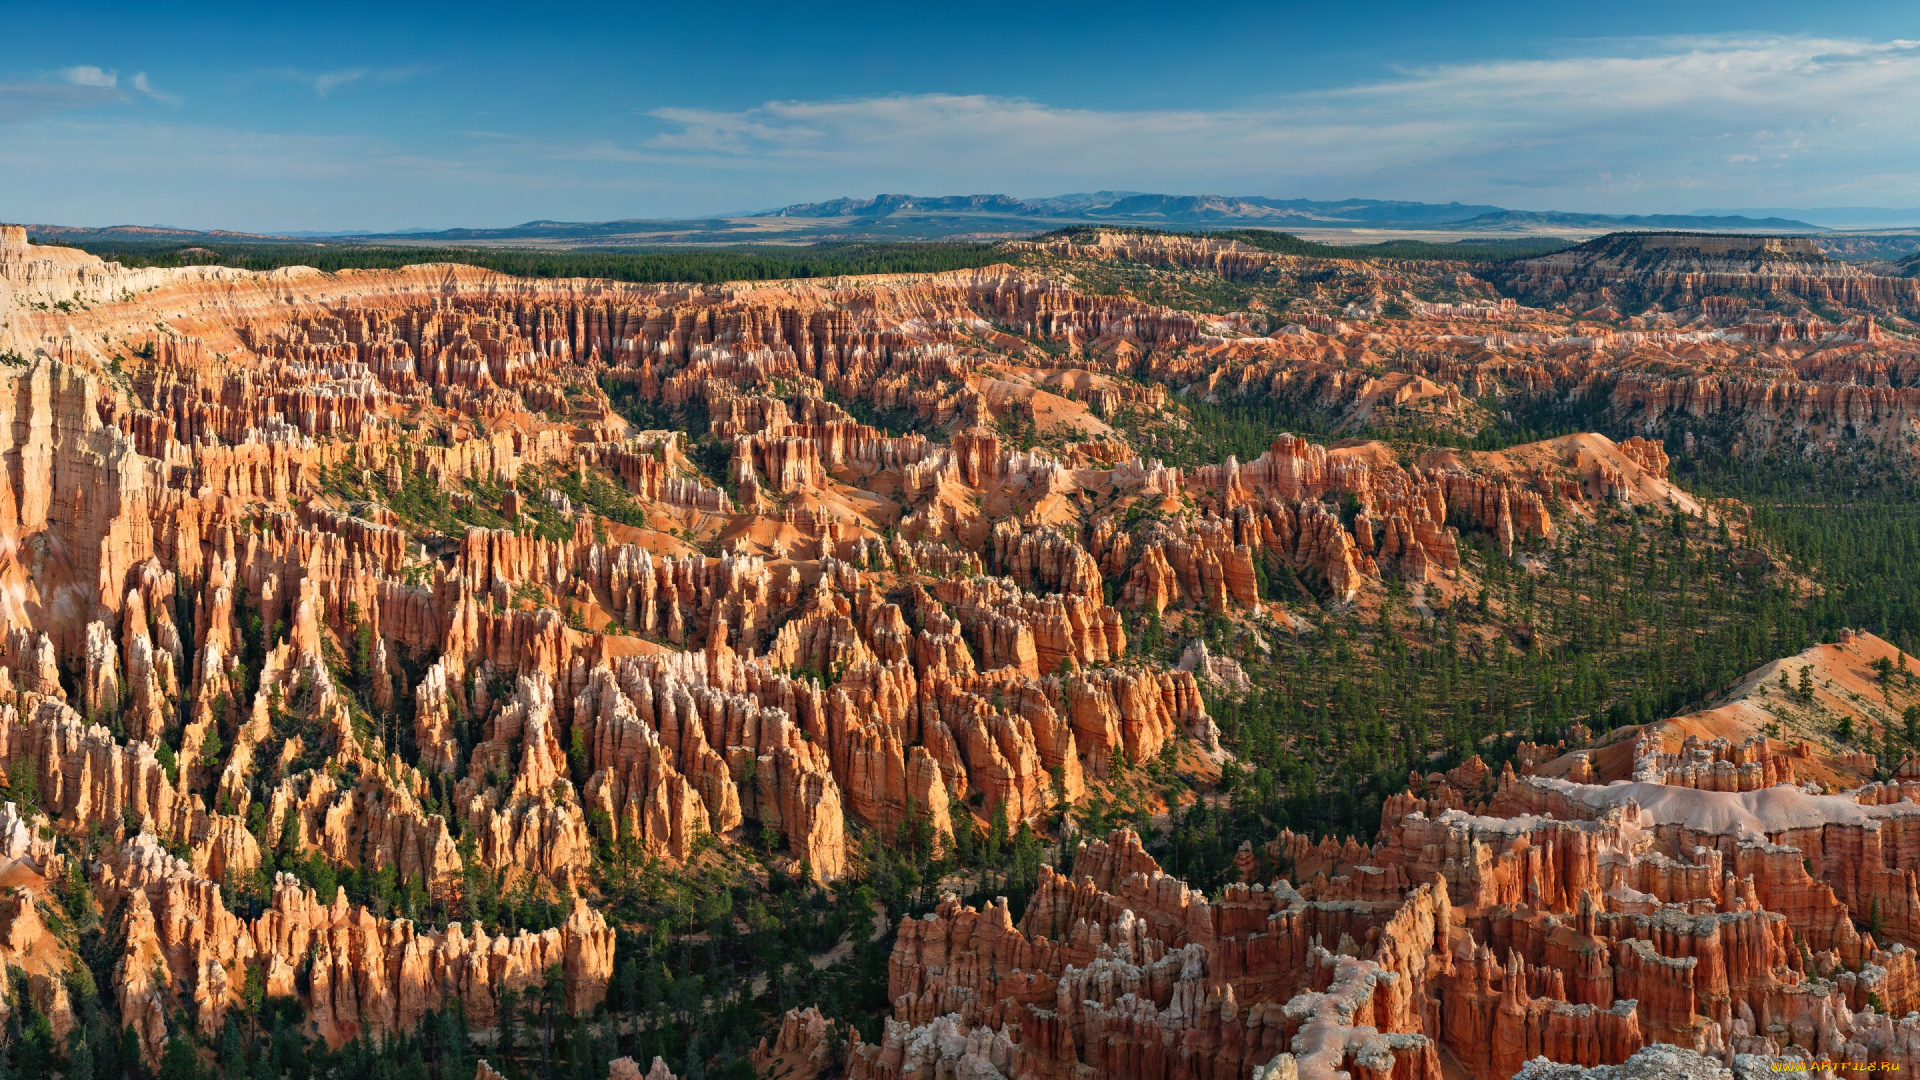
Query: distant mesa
1704, 270
1527, 219
1639, 253
1127, 206
890, 204
67, 234
1123, 207
1669, 246
1834, 217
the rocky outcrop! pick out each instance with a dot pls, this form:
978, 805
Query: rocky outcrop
1683, 268
1128, 971
1577, 937
1652, 1063
368, 975
370, 572
806, 1046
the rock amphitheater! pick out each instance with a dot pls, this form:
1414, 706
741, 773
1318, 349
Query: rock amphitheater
838, 629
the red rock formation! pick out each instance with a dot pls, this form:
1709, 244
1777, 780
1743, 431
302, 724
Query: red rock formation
1690, 267
284, 555
368, 975
1129, 972
1629, 915
803, 1047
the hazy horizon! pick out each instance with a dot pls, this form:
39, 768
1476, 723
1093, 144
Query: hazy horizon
1830, 217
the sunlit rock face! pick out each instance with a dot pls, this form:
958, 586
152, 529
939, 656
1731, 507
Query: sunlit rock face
448, 576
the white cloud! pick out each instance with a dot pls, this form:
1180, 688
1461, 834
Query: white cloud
1839, 112
71, 88
145, 86
88, 75
332, 80
326, 82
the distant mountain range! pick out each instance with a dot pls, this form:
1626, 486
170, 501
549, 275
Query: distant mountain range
1133, 206
1536, 220
1127, 207
1838, 217
982, 217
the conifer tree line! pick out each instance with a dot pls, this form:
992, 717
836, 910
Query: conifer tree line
699, 265
1634, 618
1639, 615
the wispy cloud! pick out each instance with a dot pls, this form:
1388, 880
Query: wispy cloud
145, 86
88, 75
329, 81
1678, 114
326, 82
81, 87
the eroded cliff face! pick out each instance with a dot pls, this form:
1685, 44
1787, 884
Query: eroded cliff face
378, 571
281, 590
1762, 345
1681, 269
1123, 969
1646, 925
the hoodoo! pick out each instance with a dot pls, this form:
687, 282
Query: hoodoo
974, 672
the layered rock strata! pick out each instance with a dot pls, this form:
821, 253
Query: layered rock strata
374, 569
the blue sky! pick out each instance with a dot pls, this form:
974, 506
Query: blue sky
290, 117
